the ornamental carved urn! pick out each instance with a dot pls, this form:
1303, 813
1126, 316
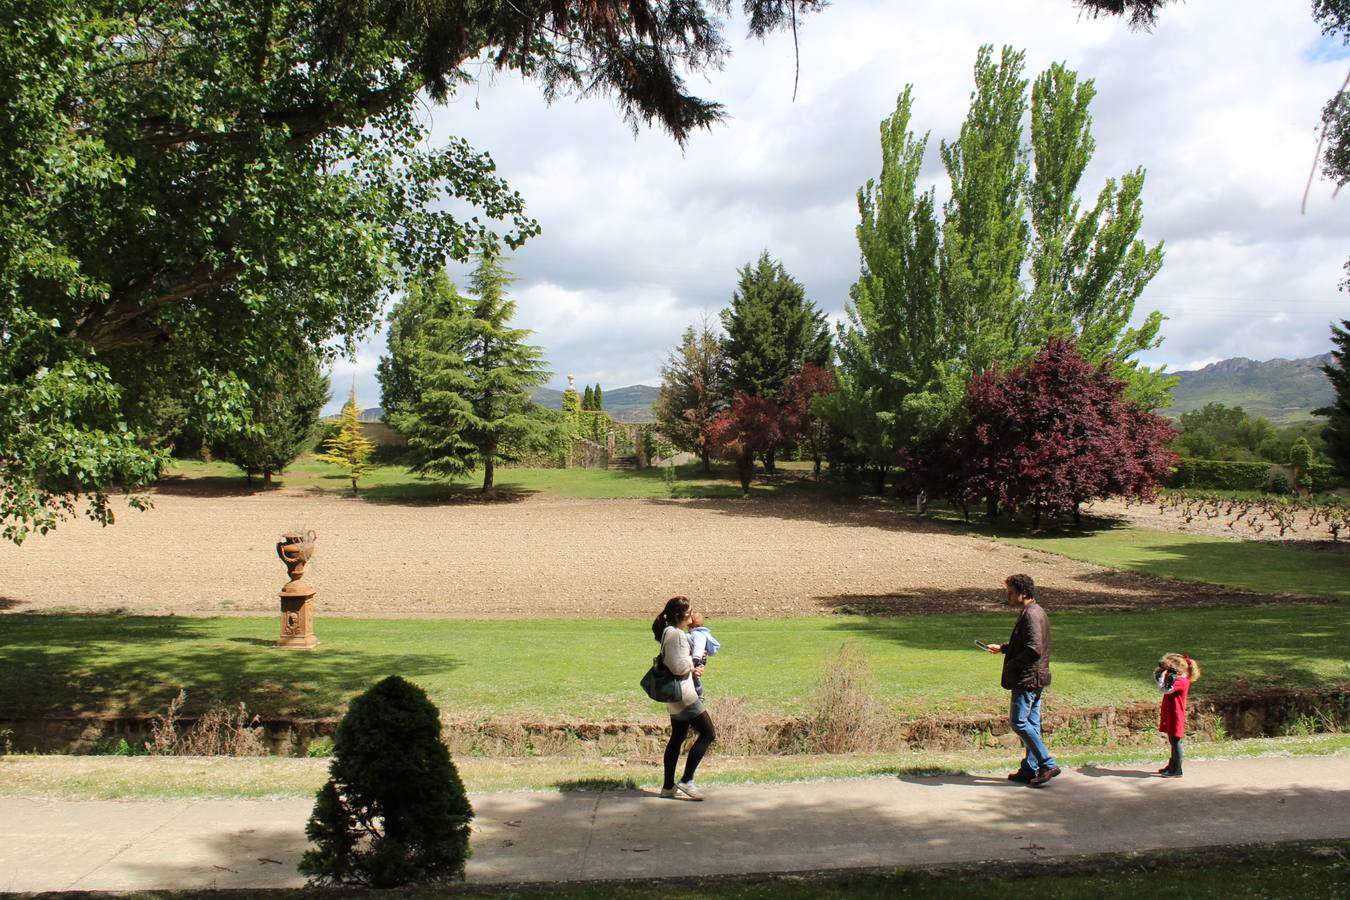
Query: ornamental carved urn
297, 596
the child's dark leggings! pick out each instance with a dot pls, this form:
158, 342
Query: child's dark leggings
1175, 762
679, 730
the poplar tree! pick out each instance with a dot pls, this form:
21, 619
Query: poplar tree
474, 375
349, 449
1012, 260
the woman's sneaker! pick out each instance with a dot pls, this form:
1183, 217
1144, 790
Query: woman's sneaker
690, 790
668, 793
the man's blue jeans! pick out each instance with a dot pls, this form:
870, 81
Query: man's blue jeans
1024, 715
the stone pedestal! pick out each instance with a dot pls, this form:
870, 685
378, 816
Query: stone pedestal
297, 618
297, 597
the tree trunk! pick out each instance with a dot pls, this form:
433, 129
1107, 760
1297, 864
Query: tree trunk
707, 460
745, 468
991, 506
880, 479
769, 467
816, 459
267, 479
488, 475
1036, 515
353, 485
248, 477
1077, 517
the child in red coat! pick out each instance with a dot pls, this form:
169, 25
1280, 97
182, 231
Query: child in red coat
1175, 673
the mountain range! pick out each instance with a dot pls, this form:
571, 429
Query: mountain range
1285, 391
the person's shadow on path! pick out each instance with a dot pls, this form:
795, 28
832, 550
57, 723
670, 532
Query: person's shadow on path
1099, 772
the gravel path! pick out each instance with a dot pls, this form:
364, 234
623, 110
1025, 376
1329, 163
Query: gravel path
544, 557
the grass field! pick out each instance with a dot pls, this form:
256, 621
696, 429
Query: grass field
392, 481
923, 666
1265, 566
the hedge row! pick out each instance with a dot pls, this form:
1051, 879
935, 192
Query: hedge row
1223, 475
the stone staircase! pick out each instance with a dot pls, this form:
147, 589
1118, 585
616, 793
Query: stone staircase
629, 463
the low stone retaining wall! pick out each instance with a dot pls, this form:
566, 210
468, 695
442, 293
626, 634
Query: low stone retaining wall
1265, 715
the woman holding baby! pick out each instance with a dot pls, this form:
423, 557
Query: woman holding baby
670, 628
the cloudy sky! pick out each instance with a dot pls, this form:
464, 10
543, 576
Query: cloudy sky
1220, 105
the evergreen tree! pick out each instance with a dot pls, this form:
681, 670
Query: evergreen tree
772, 330
397, 384
693, 390
474, 376
349, 448
1336, 434
394, 809
588, 400
285, 399
598, 398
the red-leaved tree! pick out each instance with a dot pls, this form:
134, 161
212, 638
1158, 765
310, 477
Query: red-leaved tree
752, 424
1050, 435
801, 424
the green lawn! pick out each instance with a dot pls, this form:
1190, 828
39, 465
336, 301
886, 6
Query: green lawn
391, 481
1264, 566
54, 664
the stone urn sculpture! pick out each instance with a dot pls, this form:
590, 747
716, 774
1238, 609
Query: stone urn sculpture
297, 610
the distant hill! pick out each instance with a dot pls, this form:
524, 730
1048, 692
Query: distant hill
625, 404
1284, 391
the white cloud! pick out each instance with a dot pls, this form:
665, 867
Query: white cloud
1218, 103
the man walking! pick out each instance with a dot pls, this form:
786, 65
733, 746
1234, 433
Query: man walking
1026, 672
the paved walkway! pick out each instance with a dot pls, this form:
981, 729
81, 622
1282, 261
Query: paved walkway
141, 845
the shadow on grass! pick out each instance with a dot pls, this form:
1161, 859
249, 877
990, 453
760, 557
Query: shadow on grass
211, 486
68, 664
426, 494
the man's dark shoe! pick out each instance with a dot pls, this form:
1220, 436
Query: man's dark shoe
1165, 770
1021, 777
1171, 773
1044, 775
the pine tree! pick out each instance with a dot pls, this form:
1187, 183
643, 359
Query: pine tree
349, 448
406, 319
475, 376
1336, 434
286, 396
772, 330
693, 391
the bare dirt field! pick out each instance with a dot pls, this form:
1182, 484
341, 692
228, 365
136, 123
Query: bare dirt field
546, 557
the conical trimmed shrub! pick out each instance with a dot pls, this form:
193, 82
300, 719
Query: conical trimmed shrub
394, 810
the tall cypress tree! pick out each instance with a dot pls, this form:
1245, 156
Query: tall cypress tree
1336, 434
474, 375
598, 398
588, 399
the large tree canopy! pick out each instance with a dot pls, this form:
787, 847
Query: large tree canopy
190, 184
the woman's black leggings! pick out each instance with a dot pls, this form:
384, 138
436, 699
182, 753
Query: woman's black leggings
1175, 762
679, 730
